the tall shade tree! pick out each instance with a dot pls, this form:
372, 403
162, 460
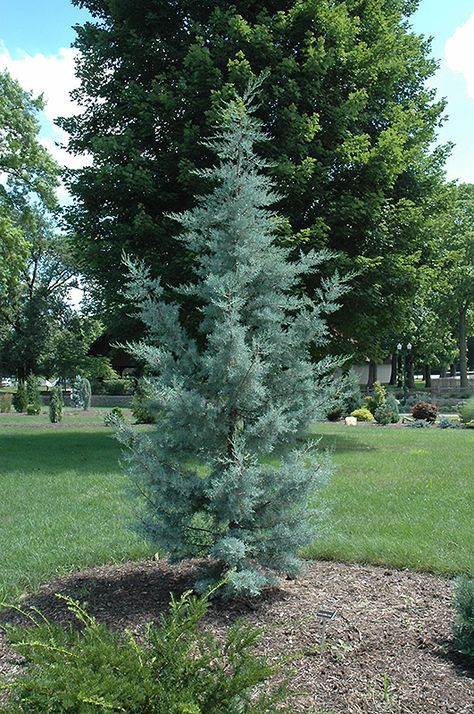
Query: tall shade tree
35, 303
456, 274
30, 175
242, 393
351, 117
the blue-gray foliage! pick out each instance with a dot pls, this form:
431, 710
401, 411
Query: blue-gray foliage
223, 474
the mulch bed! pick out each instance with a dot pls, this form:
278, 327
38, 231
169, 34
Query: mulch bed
388, 649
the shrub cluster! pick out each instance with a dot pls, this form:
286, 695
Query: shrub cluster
113, 387
447, 423
177, 668
347, 396
382, 406
464, 625
420, 424
425, 411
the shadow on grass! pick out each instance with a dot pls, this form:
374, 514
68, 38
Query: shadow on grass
340, 443
56, 451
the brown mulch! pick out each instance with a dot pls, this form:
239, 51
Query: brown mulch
388, 649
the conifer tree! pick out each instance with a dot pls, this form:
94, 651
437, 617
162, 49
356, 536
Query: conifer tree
223, 475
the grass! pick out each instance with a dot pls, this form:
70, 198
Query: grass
63, 504
401, 497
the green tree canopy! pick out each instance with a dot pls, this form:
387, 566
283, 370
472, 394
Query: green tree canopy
346, 103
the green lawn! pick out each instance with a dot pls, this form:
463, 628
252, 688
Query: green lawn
63, 503
403, 497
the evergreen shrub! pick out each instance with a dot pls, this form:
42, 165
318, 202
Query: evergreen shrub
176, 668
447, 423
224, 474
466, 411
141, 403
20, 398
85, 393
392, 403
33, 390
377, 399
76, 397
110, 419
363, 414
425, 411
5, 403
56, 406
420, 424
464, 624
33, 409
383, 414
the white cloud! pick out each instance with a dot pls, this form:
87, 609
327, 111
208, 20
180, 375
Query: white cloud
54, 77
459, 53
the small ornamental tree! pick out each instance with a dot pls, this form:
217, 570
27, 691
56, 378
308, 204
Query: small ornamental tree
223, 475
56, 406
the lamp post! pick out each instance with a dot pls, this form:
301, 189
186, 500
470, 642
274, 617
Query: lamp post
404, 352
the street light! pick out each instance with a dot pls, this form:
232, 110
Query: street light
404, 352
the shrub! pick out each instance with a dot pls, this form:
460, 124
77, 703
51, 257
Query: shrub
447, 423
118, 387
393, 405
20, 398
177, 667
110, 419
383, 414
466, 411
141, 404
420, 424
85, 393
33, 409
33, 390
464, 624
5, 403
56, 406
363, 414
377, 399
425, 411
76, 392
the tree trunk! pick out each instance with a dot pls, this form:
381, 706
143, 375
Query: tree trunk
463, 347
400, 375
442, 371
372, 374
452, 370
394, 373
427, 375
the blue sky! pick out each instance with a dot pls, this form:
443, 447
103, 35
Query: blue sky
35, 38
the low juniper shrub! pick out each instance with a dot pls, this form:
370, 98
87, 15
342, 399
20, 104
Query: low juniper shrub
56, 406
447, 423
20, 398
425, 411
464, 624
420, 424
392, 403
175, 668
33, 409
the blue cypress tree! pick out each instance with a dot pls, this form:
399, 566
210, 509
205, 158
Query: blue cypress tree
223, 474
